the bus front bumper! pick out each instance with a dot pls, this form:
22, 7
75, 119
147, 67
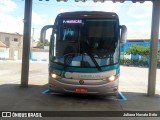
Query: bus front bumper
92, 87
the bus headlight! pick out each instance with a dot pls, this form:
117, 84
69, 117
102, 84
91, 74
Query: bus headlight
54, 76
111, 78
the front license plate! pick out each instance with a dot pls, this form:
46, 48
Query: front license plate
81, 90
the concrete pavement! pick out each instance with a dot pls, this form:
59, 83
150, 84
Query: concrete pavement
133, 84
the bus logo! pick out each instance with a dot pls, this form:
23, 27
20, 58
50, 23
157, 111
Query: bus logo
81, 82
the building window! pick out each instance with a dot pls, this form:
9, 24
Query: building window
6, 38
15, 40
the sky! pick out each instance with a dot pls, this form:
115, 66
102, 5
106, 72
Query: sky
136, 16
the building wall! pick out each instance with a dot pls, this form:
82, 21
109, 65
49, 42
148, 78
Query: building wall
138, 42
39, 56
14, 43
4, 53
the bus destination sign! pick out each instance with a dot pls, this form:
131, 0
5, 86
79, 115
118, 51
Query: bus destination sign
72, 21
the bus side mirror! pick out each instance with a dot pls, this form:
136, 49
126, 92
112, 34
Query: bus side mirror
43, 32
123, 36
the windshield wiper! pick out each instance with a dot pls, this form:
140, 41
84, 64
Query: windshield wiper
94, 61
87, 50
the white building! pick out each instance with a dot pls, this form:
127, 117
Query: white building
11, 45
4, 51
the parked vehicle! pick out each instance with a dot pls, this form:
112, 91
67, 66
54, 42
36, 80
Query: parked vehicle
84, 55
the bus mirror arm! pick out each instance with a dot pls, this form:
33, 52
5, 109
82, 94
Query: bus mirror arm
123, 36
43, 32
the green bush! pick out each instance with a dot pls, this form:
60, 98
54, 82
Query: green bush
141, 50
138, 49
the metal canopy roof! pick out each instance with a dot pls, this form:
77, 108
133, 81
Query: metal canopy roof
134, 1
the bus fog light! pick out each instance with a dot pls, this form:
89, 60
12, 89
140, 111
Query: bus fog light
112, 78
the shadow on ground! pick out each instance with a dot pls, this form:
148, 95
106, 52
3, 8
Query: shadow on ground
13, 97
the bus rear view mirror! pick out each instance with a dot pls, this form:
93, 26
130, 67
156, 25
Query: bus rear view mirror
43, 32
123, 36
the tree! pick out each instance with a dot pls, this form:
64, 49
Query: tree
41, 44
46, 43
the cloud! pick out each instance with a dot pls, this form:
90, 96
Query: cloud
62, 10
139, 36
141, 23
138, 10
107, 6
42, 19
38, 21
11, 24
138, 33
38, 18
7, 6
8, 22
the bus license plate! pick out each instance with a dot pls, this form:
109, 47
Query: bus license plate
81, 90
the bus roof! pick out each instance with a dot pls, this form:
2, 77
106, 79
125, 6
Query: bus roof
88, 14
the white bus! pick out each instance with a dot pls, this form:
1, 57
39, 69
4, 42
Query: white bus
84, 53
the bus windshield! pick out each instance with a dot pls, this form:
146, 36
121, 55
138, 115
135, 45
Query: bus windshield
86, 42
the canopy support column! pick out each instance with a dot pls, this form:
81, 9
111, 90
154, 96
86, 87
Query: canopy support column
154, 48
26, 43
